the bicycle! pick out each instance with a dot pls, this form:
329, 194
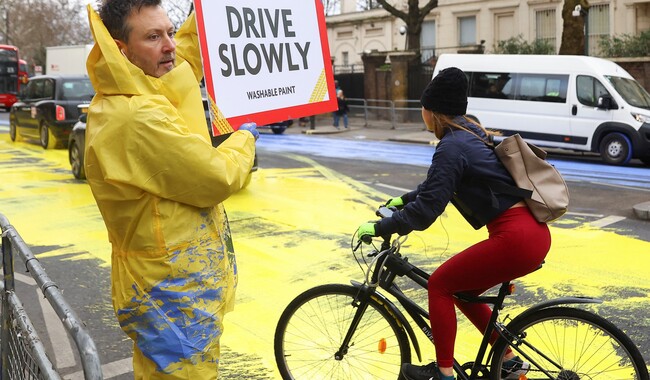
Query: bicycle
337, 331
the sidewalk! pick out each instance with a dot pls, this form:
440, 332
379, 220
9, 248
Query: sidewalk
378, 131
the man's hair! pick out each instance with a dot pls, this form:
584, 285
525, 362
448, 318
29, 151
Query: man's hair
115, 12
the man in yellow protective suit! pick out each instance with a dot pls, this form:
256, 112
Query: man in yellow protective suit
159, 184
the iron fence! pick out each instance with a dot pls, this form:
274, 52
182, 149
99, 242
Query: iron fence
393, 113
23, 354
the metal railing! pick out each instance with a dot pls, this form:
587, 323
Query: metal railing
397, 114
23, 354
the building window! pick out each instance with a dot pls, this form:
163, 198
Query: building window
364, 5
545, 26
642, 11
346, 58
504, 27
428, 40
467, 30
598, 26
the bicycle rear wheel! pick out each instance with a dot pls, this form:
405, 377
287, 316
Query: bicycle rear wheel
563, 343
313, 325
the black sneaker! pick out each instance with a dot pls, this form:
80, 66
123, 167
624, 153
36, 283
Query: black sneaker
513, 368
421, 372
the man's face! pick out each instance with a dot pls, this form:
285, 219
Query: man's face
151, 44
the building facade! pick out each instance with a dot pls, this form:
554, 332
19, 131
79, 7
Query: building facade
459, 25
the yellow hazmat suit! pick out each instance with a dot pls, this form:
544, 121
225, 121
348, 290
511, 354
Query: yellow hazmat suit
159, 184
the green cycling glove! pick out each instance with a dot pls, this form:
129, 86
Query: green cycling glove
395, 202
366, 232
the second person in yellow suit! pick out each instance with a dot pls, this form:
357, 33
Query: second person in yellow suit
159, 184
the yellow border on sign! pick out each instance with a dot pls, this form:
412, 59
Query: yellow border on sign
318, 94
218, 119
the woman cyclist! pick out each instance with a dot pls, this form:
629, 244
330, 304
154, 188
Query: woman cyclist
516, 244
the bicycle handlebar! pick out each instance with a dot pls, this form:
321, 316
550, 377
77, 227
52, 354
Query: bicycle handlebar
382, 212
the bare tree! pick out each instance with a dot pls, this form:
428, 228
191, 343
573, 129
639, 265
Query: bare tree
331, 7
33, 25
178, 10
413, 17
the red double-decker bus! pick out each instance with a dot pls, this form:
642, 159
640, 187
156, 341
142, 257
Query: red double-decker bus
8, 75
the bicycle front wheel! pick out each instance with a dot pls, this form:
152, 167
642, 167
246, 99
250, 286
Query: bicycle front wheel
313, 325
563, 343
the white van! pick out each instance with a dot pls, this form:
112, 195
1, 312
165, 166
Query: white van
569, 102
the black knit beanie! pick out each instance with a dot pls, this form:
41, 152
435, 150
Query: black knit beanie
446, 93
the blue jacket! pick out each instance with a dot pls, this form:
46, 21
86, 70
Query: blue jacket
459, 163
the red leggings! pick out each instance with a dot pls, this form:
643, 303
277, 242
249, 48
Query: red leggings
517, 245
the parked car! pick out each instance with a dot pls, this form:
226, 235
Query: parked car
47, 109
77, 142
279, 127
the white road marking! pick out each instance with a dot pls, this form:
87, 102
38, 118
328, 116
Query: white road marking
585, 214
635, 188
606, 221
63, 353
56, 333
403, 190
109, 370
25, 279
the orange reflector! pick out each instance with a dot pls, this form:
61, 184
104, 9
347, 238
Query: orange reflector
511, 290
523, 377
381, 347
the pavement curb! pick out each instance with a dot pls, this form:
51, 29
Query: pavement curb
421, 136
325, 131
642, 210
416, 140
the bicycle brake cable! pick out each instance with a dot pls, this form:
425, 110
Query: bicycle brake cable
398, 241
396, 246
382, 254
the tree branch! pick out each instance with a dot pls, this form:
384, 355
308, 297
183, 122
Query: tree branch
394, 11
424, 11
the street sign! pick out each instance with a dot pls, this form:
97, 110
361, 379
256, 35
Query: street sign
264, 61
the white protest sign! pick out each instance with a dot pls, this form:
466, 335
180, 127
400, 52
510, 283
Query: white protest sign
264, 61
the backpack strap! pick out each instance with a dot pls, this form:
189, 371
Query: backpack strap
504, 188
497, 186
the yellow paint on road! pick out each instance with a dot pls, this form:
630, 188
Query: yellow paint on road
292, 230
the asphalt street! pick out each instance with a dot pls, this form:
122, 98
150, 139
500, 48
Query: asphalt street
292, 228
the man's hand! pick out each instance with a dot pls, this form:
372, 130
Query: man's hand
395, 202
366, 232
250, 127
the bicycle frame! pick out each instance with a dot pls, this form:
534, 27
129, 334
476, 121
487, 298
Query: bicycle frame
390, 264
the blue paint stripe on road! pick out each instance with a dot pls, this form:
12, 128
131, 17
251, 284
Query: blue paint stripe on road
420, 155
380, 151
